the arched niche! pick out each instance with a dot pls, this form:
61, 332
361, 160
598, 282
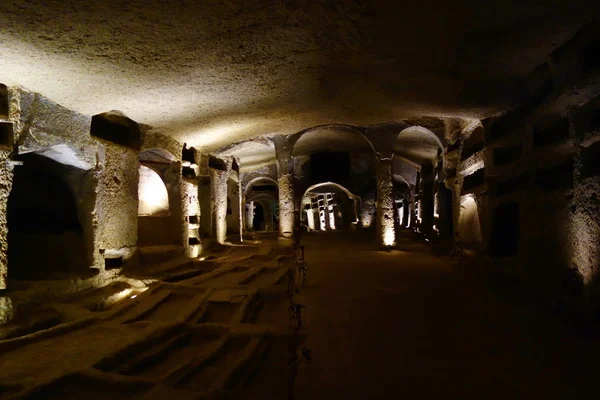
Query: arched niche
152, 194
469, 227
261, 213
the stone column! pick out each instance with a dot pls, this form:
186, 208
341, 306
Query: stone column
241, 205
386, 233
427, 199
116, 212
285, 179
218, 201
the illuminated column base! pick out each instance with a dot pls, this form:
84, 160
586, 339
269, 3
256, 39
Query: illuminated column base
386, 233
286, 205
218, 201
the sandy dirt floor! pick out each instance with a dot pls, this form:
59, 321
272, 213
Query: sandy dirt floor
405, 324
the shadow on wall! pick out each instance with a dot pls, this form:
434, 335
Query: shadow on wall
45, 238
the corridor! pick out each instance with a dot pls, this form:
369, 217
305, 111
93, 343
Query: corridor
405, 324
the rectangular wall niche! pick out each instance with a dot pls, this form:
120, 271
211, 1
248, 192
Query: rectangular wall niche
591, 57
512, 185
474, 180
6, 135
194, 219
3, 102
555, 133
590, 157
556, 177
117, 129
473, 144
506, 155
113, 262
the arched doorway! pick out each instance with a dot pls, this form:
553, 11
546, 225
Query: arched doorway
159, 207
261, 206
329, 206
45, 236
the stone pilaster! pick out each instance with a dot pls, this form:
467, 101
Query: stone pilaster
218, 201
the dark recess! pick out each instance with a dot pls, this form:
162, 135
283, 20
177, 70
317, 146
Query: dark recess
329, 166
188, 172
188, 154
512, 185
474, 180
113, 262
504, 239
590, 157
3, 101
193, 241
217, 163
117, 129
6, 135
473, 144
544, 136
556, 177
507, 155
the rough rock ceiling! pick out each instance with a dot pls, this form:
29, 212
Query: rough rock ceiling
219, 71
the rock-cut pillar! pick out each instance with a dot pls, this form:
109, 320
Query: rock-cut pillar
285, 179
386, 234
218, 201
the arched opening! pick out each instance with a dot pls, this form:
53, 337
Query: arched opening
45, 236
337, 153
504, 239
159, 211
469, 228
329, 206
152, 194
258, 221
262, 208
421, 150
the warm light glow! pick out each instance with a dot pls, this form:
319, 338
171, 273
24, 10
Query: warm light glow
389, 237
152, 193
134, 296
202, 258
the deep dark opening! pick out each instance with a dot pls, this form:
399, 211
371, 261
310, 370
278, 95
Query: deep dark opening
188, 172
556, 177
3, 101
329, 166
594, 124
259, 217
194, 219
590, 157
6, 135
506, 155
45, 237
192, 241
113, 262
504, 239
473, 144
117, 129
555, 133
217, 163
519, 182
188, 154
474, 180
591, 57
264, 188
